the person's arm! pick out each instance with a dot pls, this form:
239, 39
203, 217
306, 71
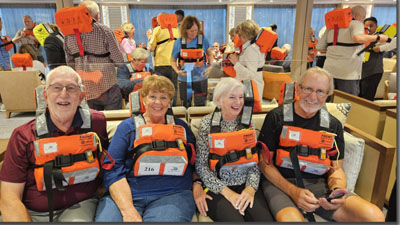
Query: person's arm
112, 46
248, 62
52, 50
11, 206
153, 39
174, 55
121, 194
124, 82
17, 38
365, 38
386, 47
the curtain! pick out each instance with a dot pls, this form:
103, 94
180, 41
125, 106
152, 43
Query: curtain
384, 14
214, 18
318, 16
283, 16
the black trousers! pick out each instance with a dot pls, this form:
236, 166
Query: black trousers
369, 85
320, 61
221, 210
199, 93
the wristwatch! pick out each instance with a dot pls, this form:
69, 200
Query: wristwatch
377, 37
198, 180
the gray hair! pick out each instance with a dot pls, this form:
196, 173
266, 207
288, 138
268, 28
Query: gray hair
140, 53
319, 71
224, 87
92, 6
63, 70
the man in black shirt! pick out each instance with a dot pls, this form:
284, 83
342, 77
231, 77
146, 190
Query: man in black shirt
308, 125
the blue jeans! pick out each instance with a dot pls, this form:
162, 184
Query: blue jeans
174, 207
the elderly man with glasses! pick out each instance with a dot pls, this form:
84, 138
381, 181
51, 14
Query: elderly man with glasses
305, 174
64, 141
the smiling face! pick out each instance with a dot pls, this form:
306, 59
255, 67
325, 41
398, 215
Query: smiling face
28, 23
312, 94
63, 96
232, 104
156, 104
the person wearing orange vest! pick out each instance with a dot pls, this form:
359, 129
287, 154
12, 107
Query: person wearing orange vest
303, 137
342, 45
227, 158
25, 36
130, 76
4, 57
249, 63
147, 182
128, 45
63, 117
312, 51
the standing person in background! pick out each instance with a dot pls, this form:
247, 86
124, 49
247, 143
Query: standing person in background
180, 14
192, 38
372, 68
54, 47
25, 36
4, 57
161, 45
127, 44
36, 64
105, 93
342, 60
249, 63
312, 51
321, 55
216, 52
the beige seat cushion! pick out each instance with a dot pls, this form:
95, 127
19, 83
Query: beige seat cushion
354, 153
339, 110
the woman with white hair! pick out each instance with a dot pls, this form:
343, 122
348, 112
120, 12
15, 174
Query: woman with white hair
127, 44
233, 193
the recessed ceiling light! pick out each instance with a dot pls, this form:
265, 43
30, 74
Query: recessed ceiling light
271, 1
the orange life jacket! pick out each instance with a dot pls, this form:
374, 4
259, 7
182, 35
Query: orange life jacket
137, 76
7, 42
168, 21
192, 55
287, 93
337, 19
278, 53
159, 149
312, 148
312, 50
227, 65
22, 60
120, 35
252, 96
154, 22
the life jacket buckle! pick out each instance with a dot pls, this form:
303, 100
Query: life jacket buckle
158, 145
303, 150
63, 160
180, 144
89, 156
232, 156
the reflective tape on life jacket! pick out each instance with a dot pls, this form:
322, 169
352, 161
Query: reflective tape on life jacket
252, 100
160, 149
337, 19
278, 53
7, 43
22, 60
287, 93
312, 148
323, 115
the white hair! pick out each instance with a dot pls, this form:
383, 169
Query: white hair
224, 87
63, 70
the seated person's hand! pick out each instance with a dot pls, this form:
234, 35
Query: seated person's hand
334, 203
245, 199
231, 196
206, 72
200, 196
132, 217
306, 200
234, 58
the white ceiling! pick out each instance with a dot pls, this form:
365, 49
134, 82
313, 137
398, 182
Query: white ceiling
211, 2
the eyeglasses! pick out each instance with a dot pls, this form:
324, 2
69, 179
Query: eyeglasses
308, 91
57, 88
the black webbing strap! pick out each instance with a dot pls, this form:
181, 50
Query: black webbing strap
47, 175
299, 180
303, 150
165, 40
9, 43
260, 69
153, 146
66, 160
229, 158
88, 53
345, 44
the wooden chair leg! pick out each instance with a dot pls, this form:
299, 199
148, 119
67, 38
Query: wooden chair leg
8, 114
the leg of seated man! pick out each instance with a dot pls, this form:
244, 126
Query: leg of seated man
175, 207
357, 209
107, 211
280, 204
83, 211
